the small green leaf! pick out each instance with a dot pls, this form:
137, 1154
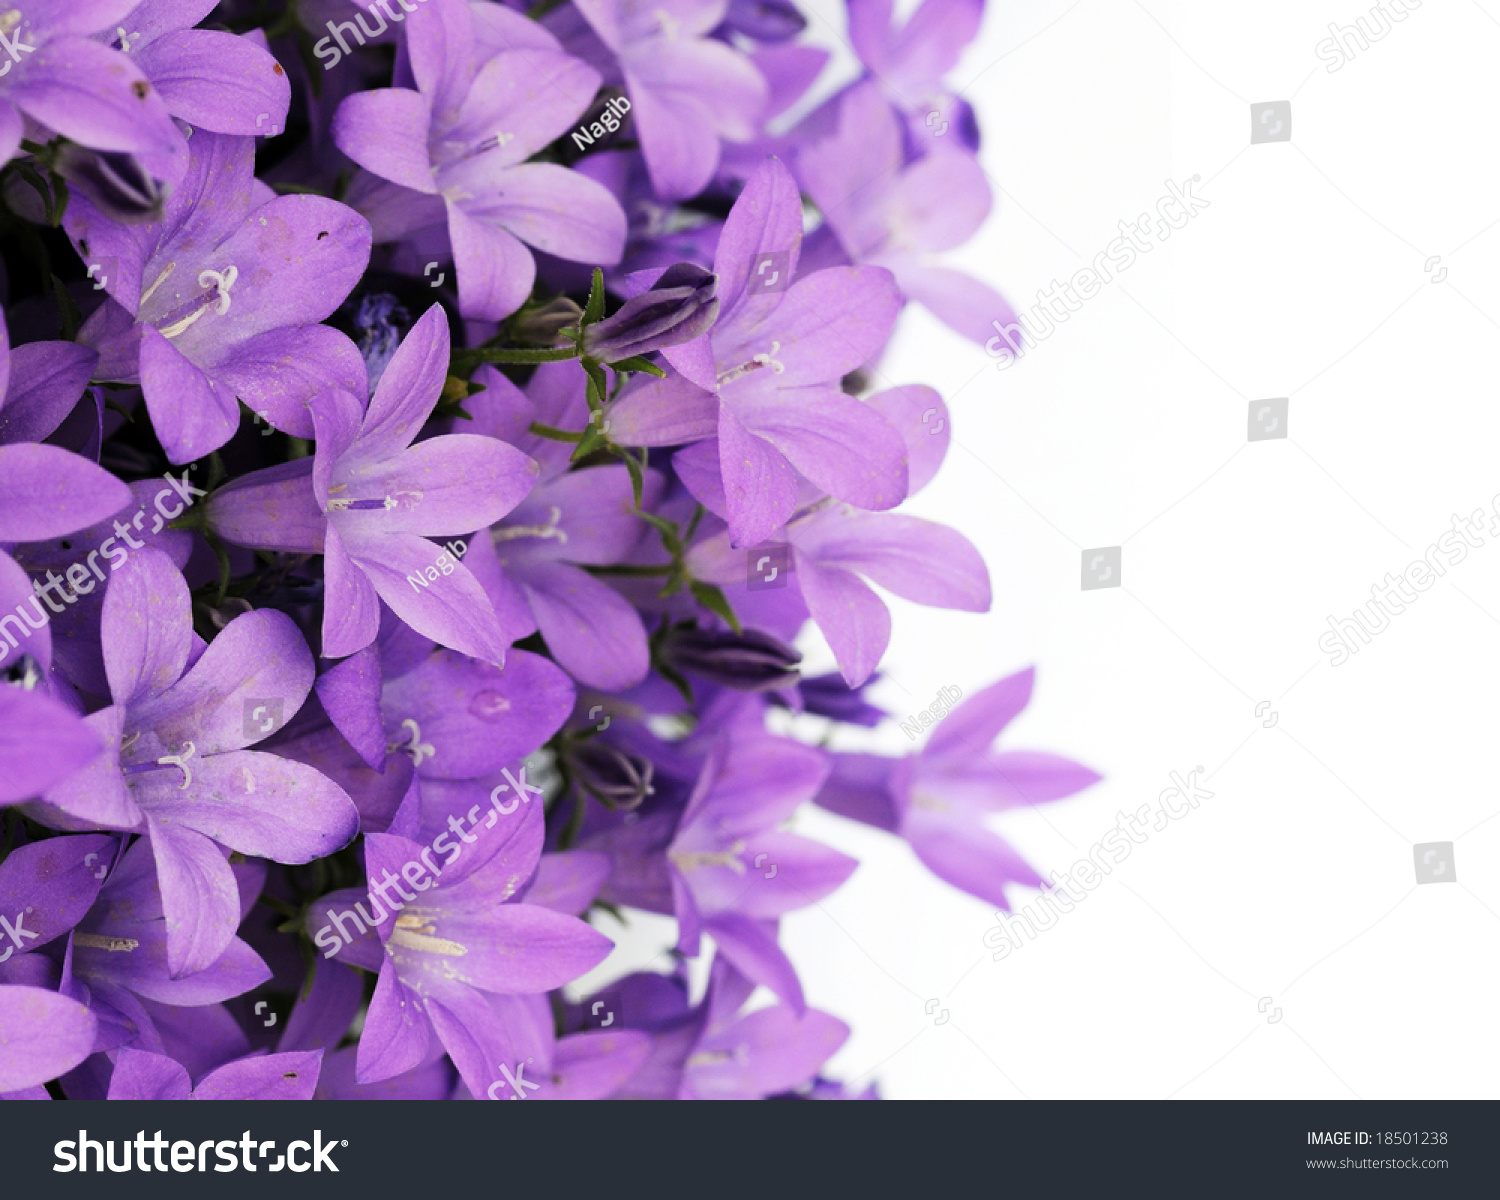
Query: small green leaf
594, 309
71, 317
712, 598
640, 363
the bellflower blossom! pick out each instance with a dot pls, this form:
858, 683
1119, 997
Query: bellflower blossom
376, 669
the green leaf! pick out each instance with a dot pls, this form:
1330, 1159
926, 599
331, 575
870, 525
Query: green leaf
71, 317
637, 476
517, 356
594, 309
712, 598
638, 362
597, 383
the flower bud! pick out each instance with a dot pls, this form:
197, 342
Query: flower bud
747, 662
679, 308
619, 780
116, 184
765, 20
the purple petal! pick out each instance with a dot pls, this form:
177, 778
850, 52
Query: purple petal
440, 48
192, 413
495, 270
554, 209
350, 694
967, 855
297, 258
277, 373
461, 481
54, 882
959, 301
568, 881
147, 627
841, 444
760, 486
918, 560
771, 1050
141, 1075
663, 412
44, 1035
589, 1066
320, 1019
396, 1034
476, 717
46, 492
292, 1076
858, 788
535, 95
259, 804
215, 80
99, 98
198, 896
258, 655
451, 609
971, 729
853, 618
766, 219
919, 415
409, 388
272, 509
385, 131
752, 948
48, 379
593, 632
41, 743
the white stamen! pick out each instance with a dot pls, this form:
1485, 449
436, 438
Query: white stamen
417, 748
509, 533
222, 281
180, 760
769, 360
160, 279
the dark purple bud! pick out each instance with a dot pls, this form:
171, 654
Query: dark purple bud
829, 696
619, 780
764, 20
680, 307
116, 184
747, 662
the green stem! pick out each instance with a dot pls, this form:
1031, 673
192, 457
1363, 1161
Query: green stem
554, 434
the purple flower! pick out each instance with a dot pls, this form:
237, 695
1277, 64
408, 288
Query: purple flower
687, 91
369, 500
178, 766
54, 75
716, 1051
459, 145
937, 799
909, 63
897, 216
141, 1075
119, 955
532, 564
763, 384
40, 383
221, 298
461, 962
206, 77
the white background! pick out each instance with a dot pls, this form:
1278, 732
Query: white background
1308, 277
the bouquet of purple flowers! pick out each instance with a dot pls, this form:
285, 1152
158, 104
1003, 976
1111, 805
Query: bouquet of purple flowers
426, 427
